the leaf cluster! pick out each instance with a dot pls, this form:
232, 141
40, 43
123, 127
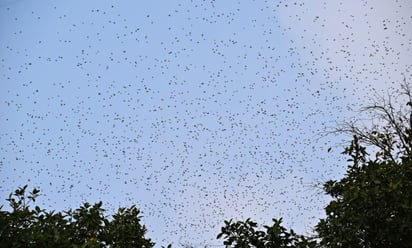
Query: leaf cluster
244, 234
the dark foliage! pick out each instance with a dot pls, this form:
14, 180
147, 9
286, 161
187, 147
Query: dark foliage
83, 227
371, 205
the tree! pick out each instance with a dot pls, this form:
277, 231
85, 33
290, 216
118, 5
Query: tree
82, 227
372, 204
243, 234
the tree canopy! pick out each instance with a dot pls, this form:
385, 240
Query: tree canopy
243, 234
371, 205
85, 226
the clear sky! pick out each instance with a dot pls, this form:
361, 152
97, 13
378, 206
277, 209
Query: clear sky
195, 111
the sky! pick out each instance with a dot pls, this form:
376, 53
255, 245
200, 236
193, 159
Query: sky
195, 111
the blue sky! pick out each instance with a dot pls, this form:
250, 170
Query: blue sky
195, 111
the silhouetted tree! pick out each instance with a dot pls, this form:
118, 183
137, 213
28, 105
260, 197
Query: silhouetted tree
82, 227
371, 205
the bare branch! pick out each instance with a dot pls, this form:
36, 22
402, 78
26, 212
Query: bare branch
388, 126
